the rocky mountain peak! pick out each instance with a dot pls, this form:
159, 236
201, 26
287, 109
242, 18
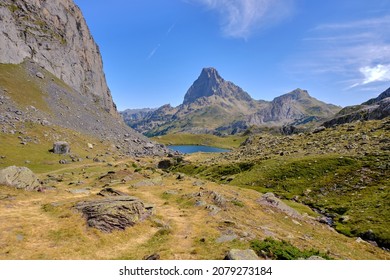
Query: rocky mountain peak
295, 95
382, 96
211, 73
211, 83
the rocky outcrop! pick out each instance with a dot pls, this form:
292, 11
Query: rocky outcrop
55, 35
270, 200
374, 109
114, 213
19, 178
60, 65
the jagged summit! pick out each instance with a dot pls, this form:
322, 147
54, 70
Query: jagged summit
214, 105
211, 83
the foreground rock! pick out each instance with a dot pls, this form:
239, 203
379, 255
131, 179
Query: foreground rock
114, 213
20, 178
236, 254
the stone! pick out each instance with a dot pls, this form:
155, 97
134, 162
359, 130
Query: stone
236, 254
111, 192
148, 146
40, 75
226, 238
315, 258
61, 147
270, 200
19, 178
152, 257
165, 164
80, 191
114, 213
89, 145
319, 129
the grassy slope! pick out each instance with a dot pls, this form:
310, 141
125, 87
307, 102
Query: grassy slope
352, 187
227, 142
179, 229
17, 83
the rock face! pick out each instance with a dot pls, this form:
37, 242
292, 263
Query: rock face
46, 47
55, 35
20, 178
214, 105
114, 213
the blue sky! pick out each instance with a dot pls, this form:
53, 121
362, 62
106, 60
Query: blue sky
153, 50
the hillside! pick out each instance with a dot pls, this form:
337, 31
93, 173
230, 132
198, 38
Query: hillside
51, 74
374, 109
341, 172
216, 106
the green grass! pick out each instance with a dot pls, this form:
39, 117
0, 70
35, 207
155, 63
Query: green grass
227, 142
351, 189
21, 87
282, 250
36, 152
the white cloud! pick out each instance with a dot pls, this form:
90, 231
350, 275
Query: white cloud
358, 52
241, 18
378, 73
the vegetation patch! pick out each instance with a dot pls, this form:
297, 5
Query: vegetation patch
226, 142
273, 249
21, 87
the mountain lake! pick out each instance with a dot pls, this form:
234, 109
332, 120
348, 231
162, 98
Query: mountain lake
190, 149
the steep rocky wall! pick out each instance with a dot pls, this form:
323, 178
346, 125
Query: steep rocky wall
55, 35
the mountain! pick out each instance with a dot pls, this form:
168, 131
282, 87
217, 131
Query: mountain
51, 72
374, 109
214, 105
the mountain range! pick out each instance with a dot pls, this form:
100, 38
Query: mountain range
214, 105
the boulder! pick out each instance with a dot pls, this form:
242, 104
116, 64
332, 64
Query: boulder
270, 200
111, 192
20, 178
114, 213
165, 164
236, 254
40, 75
61, 147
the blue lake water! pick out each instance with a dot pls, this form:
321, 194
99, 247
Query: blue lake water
190, 149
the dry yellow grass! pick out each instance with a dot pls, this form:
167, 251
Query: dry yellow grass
45, 225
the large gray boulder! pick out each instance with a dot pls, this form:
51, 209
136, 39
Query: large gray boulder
20, 178
114, 213
61, 147
236, 254
270, 200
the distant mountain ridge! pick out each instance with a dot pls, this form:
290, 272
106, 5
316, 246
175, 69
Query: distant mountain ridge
214, 105
374, 109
